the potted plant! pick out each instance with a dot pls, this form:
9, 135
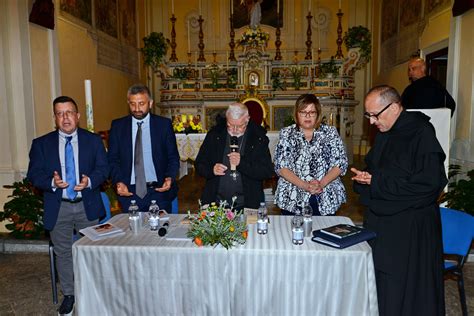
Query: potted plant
359, 36
460, 195
329, 69
154, 50
24, 210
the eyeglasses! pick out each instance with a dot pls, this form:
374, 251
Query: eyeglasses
376, 116
64, 113
307, 113
237, 127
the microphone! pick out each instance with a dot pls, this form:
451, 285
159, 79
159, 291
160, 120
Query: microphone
234, 148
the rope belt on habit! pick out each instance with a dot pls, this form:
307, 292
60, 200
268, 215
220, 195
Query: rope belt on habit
72, 201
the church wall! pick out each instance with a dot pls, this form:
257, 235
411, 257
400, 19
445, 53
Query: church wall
42, 78
436, 30
78, 62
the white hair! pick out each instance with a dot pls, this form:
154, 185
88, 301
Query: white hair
236, 111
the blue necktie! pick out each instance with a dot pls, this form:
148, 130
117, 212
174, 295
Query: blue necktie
70, 169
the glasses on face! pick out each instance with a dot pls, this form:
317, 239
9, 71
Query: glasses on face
307, 113
236, 127
376, 116
68, 113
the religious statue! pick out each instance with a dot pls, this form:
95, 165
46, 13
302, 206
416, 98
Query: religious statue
255, 12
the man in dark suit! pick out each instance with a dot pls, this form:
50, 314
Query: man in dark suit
425, 92
69, 165
143, 155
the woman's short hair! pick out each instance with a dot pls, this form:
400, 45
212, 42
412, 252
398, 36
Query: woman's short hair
302, 103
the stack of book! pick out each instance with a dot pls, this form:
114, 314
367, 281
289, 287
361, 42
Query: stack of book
101, 231
342, 235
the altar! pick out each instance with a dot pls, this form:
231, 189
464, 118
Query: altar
188, 148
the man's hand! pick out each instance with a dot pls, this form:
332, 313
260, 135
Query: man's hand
58, 182
219, 169
122, 189
83, 184
166, 185
362, 177
234, 158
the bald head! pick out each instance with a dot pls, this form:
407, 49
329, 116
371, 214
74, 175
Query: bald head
416, 68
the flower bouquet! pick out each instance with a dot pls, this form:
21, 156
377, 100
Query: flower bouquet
217, 224
254, 38
187, 124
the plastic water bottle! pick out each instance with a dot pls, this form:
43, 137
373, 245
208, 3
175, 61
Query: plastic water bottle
262, 219
297, 232
307, 220
154, 217
134, 217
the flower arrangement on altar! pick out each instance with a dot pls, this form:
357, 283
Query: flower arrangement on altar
187, 123
252, 37
218, 224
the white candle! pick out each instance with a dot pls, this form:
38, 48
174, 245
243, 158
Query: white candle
172, 6
340, 4
227, 58
189, 40
312, 57
214, 26
89, 108
296, 25
196, 60
200, 7
309, 5
278, 7
231, 7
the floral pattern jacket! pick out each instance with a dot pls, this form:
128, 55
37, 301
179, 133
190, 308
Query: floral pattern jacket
310, 160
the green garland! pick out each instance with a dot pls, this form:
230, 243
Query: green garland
359, 36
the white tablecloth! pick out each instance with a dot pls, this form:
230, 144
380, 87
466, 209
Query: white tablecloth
145, 274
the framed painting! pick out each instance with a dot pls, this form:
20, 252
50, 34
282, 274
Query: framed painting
128, 24
106, 17
243, 11
213, 115
81, 10
281, 115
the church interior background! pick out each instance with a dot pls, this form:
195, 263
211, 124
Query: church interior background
219, 52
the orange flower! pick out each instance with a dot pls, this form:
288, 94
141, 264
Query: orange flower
203, 215
245, 234
198, 241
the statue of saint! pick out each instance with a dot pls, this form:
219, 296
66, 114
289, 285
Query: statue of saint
255, 13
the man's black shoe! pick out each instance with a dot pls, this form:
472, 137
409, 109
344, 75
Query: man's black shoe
67, 305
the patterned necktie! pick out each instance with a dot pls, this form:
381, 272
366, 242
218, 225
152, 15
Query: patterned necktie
140, 180
70, 169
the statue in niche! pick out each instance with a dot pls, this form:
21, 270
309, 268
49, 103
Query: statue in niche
255, 13
253, 79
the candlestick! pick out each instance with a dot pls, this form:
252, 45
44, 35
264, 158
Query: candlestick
173, 45
201, 39
189, 40
172, 6
89, 108
309, 34
339, 40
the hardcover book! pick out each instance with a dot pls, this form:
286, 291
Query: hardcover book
341, 243
341, 230
101, 231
